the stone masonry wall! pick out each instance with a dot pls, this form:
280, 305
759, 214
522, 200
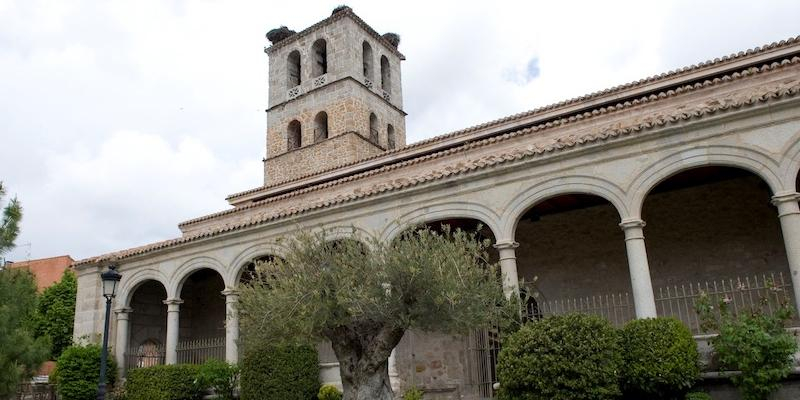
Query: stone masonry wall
719, 230
335, 151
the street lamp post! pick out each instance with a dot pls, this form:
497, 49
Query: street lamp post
110, 280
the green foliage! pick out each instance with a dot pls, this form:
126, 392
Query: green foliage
660, 359
362, 294
164, 382
9, 222
427, 280
20, 353
287, 372
329, 392
698, 396
55, 314
413, 394
220, 376
752, 341
568, 357
78, 372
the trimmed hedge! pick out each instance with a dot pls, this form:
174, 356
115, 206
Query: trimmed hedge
660, 359
280, 373
567, 357
78, 372
163, 382
329, 392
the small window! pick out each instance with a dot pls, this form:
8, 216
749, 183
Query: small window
390, 137
373, 128
366, 57
293, 69
294, 137
386, 75
320, 53
321, 127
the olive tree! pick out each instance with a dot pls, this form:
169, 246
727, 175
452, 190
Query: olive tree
363, 295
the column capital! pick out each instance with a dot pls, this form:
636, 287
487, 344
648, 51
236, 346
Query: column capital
785, 197
173, 305
506, 244
630, 223
123, 312
230, 292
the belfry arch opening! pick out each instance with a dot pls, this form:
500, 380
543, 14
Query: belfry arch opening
386, 75
714, 226
148, 326
572, 257
294, 138
367, 60
319, 51
373, 128
202, 318
320, 127
391, 140
293, 69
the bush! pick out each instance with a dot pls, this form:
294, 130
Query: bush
413, 394
219, 376
752, 341
329, 392
163, 382
698, 396
659, 359
78, 372
280, 373
569, 357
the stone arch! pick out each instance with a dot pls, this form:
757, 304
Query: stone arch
582, 184
320, 126
247, 255
139, 277
186, 269
749, 160
386, 75
373, 128
319, 51
367, 60
294, 136
790, 166
449, 210
293, 69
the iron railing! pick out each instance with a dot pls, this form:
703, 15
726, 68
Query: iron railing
144, 356
483, 347
616, 308
36, 391
757, 291
199, 350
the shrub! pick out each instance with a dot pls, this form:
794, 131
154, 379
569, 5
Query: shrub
220, 376
329, 392
698, 396
163, 382
752, 341
569, 357
659, 359
78, 372
280, 373
413, 394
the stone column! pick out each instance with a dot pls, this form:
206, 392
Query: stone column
643, 298
789, 214
231, 325
121, 344
508, 266
173, 329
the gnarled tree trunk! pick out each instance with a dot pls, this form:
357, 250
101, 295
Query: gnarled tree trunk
363, 356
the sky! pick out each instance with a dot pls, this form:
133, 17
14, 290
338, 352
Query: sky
120, 119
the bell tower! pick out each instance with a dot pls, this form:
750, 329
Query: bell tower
335, 96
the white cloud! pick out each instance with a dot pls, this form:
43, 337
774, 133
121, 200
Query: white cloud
121, 119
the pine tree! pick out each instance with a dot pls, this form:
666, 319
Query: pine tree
9, 225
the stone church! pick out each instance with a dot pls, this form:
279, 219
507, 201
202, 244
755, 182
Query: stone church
623, 203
